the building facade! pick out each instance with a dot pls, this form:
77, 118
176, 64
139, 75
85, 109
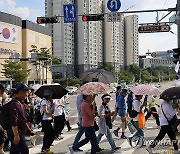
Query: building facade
154, 62
88, 37
62, 34
16, 37
131, 40
113, 41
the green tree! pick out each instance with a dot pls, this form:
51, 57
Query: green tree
15, 71
135, 70
145, 76
126, 76
108, 67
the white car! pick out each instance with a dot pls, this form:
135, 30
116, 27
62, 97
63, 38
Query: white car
71, 89
158, 85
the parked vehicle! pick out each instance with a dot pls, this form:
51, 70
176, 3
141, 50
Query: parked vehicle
158, 85
71, 90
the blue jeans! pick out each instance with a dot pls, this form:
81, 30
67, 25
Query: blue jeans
90, 136
79, 134
139, 130
109, 137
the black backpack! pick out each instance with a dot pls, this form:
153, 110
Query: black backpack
5, 116
132, 113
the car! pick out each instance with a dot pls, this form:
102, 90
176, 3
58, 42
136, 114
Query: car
71, 90
158, 85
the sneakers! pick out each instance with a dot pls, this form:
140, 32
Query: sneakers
123, 137
117, 148
116, 133
149, 149
129, 141
33, 141
99, 149
47, 151
78, 150
71, 150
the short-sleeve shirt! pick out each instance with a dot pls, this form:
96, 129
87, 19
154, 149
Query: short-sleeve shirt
87, 121
136, 107
48, 104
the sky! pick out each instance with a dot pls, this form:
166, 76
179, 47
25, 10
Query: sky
30, 9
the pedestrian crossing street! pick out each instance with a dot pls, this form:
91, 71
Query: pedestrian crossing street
62, 146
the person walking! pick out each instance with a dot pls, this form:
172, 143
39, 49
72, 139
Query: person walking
104, 121
59, 118
88, 113
3, 135
130, 100
118, 91
152, 109
122, 113
166, 113
18, 121
47, 109
137, 106
80, 128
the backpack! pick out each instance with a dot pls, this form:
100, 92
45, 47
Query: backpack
5, 116
38, 116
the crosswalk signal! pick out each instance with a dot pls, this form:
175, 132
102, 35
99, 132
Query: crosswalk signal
45, 20
176, 55
86, 18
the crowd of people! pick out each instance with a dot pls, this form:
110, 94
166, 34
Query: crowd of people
27, 110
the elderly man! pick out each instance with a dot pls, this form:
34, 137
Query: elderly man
18, 121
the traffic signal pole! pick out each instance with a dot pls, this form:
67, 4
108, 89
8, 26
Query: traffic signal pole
178, 21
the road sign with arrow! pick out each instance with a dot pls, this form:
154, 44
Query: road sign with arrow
70, 13
113, 5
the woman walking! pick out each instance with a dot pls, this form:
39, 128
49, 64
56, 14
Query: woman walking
166, 113
47, 109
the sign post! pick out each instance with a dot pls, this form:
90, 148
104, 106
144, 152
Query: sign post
70, 15
153, 28
113, 5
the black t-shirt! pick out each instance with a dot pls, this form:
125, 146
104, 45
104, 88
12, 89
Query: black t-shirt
108, 119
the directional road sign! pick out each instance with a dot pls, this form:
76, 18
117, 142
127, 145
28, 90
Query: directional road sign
114, 17
70, 13
153, 28
113, 5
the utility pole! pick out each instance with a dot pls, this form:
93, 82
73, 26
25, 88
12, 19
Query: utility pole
178, 21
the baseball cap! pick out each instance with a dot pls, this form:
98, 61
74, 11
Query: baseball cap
106, 96
124, 91
22, 87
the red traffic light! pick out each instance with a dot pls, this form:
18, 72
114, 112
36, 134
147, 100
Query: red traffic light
84, 18
39, 21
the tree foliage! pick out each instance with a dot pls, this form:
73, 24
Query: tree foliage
15, 71
108, 67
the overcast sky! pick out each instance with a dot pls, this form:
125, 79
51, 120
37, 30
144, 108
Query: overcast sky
30, 9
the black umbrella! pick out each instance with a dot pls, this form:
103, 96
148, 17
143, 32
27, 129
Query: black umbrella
98, 75
171, 93
57, 90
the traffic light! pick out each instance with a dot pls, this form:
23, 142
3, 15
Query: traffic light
141, 57
92, 17
176, 55
44, 20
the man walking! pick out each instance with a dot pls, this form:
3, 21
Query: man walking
121, 112
18, 121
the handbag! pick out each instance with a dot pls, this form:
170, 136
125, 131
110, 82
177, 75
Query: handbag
141, 120
172, 121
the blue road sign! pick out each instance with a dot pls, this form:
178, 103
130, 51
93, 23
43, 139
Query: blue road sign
113, 5
70, 13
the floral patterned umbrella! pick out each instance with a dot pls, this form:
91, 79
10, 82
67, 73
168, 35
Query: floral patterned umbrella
142, 90
93, 88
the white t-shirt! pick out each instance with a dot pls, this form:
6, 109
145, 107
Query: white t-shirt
48, 104
58, 110
136, 107
169, 112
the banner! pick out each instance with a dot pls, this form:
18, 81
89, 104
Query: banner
8, 33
